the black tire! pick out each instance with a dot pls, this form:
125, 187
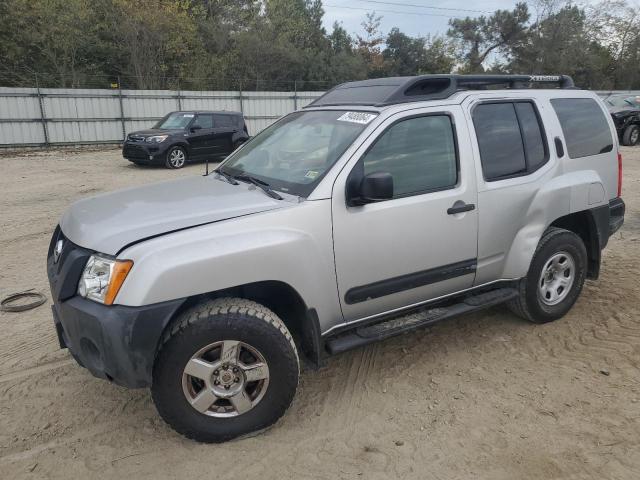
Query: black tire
172, 154
214, 321
631, 135
530, 304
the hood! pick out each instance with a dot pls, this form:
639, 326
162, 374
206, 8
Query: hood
623, 111
153, 131
106, 223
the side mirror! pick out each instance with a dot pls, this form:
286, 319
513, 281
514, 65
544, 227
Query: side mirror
375, 187
195, 128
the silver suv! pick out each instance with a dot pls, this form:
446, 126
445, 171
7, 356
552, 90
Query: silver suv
436, 195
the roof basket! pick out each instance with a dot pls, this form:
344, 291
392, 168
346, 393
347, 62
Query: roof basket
388, 91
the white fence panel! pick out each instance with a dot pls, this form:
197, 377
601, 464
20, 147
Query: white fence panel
49, 116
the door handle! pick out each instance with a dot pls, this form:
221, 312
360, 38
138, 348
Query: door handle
459, 207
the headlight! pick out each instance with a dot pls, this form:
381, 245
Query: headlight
156, 139
102, 278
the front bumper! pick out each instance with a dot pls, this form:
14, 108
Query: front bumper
145, 153
114, 342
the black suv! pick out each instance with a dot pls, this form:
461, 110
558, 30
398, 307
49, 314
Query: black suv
180, 137
625, 110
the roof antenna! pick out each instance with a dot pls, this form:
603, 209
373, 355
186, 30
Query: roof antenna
206, 171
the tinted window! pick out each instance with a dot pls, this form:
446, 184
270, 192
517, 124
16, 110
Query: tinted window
584, 126
204, 121
499, 139
224, 121
419, 153
534, 146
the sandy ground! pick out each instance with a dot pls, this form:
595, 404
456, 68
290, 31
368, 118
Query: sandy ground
485, 396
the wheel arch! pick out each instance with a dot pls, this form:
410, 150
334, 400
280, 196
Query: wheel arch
589, 225
283, 300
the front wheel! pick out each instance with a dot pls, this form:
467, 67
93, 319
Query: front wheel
555, 278
631, 135
176, 157
226, 368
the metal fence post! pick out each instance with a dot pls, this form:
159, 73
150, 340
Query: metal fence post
179, 99
43, 118
124, 131
295, 95
240, 97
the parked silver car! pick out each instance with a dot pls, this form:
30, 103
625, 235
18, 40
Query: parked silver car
441, 194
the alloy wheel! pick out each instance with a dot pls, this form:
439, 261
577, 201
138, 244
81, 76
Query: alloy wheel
225, 379
177, 158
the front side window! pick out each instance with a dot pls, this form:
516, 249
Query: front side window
293, 154
584, 126
510, 139
419, 153
203, 121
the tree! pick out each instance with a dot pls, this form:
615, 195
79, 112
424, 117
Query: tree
479, 37
405, 55
368, 46
558, 42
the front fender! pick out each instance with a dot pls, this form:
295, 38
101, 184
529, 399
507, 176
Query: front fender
291, 245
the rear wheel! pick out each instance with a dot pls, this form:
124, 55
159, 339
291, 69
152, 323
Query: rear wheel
227, 368
555, 278
176, 157
631, 135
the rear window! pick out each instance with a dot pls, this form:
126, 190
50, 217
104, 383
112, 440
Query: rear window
584, 126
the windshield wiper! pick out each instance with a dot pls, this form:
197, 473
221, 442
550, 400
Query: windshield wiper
226, 176
262, 185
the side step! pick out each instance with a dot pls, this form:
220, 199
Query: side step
408, 322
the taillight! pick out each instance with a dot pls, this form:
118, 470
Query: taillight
619, 174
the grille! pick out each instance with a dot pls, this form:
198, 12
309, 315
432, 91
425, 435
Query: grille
134, 151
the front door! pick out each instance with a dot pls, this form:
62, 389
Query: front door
202, 136
413, 247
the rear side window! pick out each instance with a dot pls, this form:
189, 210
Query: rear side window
224, 121
420, 154
510, 139
584, 126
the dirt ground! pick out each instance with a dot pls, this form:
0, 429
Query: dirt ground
486, 396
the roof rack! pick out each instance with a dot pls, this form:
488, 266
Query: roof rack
392, 90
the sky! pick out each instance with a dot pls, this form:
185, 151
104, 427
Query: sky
410, 16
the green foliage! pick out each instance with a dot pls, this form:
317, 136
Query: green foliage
267, 44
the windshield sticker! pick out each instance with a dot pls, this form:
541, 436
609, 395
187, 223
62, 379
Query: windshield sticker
357, 117
311, 174
188, 115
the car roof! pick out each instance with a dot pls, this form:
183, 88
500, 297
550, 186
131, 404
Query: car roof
381, 92
217, 112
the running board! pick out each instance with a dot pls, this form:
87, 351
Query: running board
406, 323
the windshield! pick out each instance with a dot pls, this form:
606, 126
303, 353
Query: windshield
624, 101
293, 154
175, 121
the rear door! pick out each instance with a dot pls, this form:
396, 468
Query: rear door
515, 162
225, 126
411, 248
202, 135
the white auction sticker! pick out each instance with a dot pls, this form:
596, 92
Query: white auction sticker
357, 117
